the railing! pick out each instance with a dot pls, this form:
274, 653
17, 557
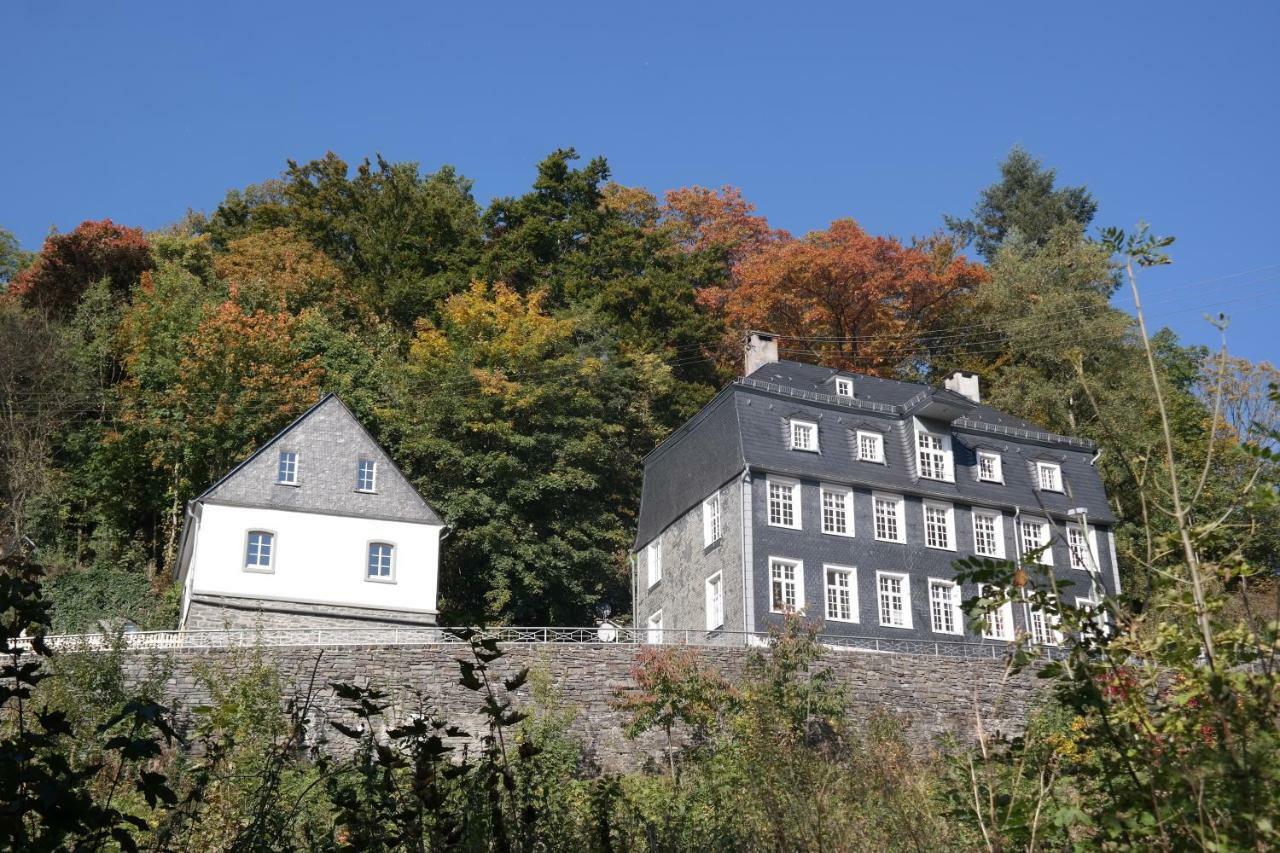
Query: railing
609, 635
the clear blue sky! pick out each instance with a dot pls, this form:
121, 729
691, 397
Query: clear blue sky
892, 113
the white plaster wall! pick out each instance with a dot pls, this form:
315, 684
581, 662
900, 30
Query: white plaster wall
317, 558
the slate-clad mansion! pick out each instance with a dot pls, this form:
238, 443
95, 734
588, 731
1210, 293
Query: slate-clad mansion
848, 498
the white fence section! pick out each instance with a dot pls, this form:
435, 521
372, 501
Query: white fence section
606, 634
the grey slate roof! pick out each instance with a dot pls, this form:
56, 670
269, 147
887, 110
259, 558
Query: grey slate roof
745, 426
329, 442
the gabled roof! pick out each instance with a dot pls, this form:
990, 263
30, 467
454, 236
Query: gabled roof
330, 441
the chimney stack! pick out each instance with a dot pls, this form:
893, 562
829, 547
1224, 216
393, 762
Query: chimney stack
964, 384
761, 349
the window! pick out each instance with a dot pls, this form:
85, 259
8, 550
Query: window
837, 510
1095, 612
895, 600
889, 521
655, 629
786, 585
842, 593
989, 467
784, 503
1000, 620
933, 452
804, 436
939, 525
366, 475
1035, 535
1081, 548
870, 446
287, 470
1044, 628
715, 602
844, 387
654, 555
1049, 475
944, 607
988, 534
259, 550
711, 520
380, 554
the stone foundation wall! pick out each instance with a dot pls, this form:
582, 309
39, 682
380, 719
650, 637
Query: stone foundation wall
933, 697
222, 612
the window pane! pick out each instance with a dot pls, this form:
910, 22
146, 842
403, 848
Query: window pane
835, 511
287, 472
935, 527
380, 560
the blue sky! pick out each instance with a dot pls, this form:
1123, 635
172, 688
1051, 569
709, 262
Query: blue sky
890, 113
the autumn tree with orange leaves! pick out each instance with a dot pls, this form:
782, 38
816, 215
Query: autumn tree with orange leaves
846, 298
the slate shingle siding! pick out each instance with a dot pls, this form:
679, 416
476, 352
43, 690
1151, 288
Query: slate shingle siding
713, 446
686, 565
329, 442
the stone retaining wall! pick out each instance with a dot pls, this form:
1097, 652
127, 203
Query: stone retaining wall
933, 697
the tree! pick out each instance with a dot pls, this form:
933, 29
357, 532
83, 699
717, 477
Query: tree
526, 430
845, 297
12, 258
1024, 201
69, 263
404, 240
278, 269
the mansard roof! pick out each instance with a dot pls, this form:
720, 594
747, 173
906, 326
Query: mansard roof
330, 442
744, 427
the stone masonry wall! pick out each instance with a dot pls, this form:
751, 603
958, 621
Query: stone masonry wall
932, 697
222, 612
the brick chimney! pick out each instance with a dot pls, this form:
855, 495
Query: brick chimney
761, 349
964, 384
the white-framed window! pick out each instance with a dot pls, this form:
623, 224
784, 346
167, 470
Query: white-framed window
655, 629
715, 602
939, 525
784, 503
844, 387
889, 517
1049, 476
989, 467
259, 551
366, 475
653, 560
1083, 548
381, 562
837, 510
711, 520
988, 533
1096, 612
894, 597
1000, 619
870, 446
786, 585
1035, 535
842, 593
287, 468
804, 435
944, 607
1044, 628
933, 455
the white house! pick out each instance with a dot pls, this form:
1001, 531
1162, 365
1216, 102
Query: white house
318, 528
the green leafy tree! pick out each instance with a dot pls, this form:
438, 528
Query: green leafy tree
526, 430
1024, 201
12, 257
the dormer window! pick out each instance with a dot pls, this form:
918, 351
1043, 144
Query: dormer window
1049, 475
844, 387
287, 469
366, 476
933, 454
804, 436
989, 470
870, 446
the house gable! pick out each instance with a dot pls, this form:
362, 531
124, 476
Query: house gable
329, 443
